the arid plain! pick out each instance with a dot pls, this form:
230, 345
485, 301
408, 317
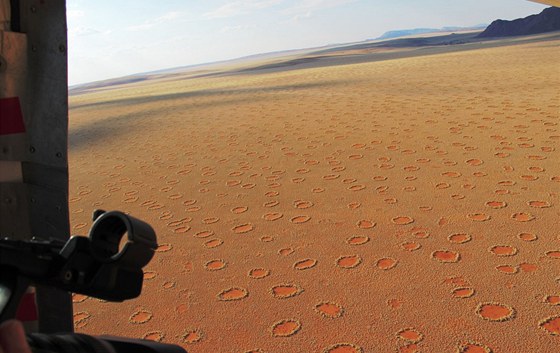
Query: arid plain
405, 205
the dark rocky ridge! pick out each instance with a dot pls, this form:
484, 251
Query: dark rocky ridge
547, 21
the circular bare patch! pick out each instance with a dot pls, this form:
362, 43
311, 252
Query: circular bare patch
474, 162
303, 204
365, 224
495, 312
215, 265
410, 335
210, 220
386, 263
285, 251
357, 187
239, 209
552, 299
463, 292
286, 328
242, 228
203, 234
503, 250
78, 298
300, 219
283, 291
343, 348
539, 204
410, 246
402, 220
156, 336
527, 236
169, 284
140, 317
459, 238
213, 243
81, 319
272, 216
348, 261
164, 247
357, 240
329, 309
192, 336
507, 269
496, 204
421, 234
233, 293
522, 217
473, 347
305, 264
551, 325
150, 275
446, 256
258, 273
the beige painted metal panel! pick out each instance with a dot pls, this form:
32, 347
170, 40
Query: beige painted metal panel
13, 83
33, 68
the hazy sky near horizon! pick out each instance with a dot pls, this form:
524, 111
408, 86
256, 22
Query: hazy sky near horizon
110, 38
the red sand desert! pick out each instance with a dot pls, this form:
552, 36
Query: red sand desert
406, 205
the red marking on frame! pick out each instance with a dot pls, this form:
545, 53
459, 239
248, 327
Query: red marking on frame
11, 118
27, 310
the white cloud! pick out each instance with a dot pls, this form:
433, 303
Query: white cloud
237, 28
82, 31
302, 16
166, 18
241, 7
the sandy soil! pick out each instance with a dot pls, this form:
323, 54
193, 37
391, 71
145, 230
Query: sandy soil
408, 205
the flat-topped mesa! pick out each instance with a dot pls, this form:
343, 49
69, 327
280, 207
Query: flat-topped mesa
547, 21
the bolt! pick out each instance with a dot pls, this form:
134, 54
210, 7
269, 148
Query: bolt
33, 9
62, 48
32, 149
33, 48
68, 276
59, 154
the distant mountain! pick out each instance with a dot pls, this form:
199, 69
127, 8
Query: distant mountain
406, 32
547, 21
409, 32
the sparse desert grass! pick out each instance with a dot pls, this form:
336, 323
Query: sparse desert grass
281, 195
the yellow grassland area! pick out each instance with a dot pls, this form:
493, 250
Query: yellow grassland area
405, 205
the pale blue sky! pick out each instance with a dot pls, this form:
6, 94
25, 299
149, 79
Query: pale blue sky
110, 38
